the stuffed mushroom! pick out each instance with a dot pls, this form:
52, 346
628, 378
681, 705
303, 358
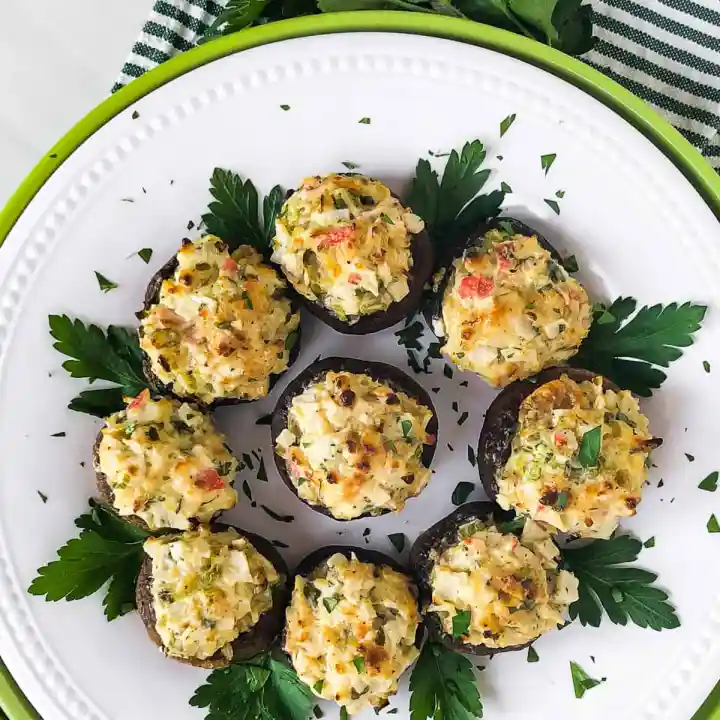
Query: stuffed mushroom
217, 327
352, 626
162, 463
488, 584
212, 596
354, 438
567, 448
506, 308
350, 248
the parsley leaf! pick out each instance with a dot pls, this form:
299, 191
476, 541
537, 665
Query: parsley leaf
105, 284
113, 355
628, 349
107, 550
261, 688
460, 624
237, 15
546, 161
410, 336
532, 656
713, 525
145, 254
451, 206
398, 541
506, 123
582, 682
443, 687
590, 447
234, 215
607, 583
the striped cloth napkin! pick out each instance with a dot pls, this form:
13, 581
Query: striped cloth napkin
665, 51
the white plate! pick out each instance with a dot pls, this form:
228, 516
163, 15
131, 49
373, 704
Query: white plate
636, 225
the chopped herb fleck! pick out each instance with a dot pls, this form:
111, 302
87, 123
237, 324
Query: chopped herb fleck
406, 426
247, 491
462, 418
105, 284
712, 525
710, 483
582, 682
398, 541
318, 686
330, 603
285, 107
650, 542
386, 218
460, 624
344, 713
279, 543
532, 655
448, 371
560, 194
135, 115
546, 161
464, 383
364, 121
264, 420
350, 165
59, 434
434, 350
359, 663
409, 336
366, 532
317, 711
505, 187
247, 460
190, 225
277, 516
127, 200
552, 204
461, 492
455, 406
570, 263
471, 455
145, 254
450, 447
42, 496
691, 458
435, 390
590, 447
506, 123
706, 366
262, 473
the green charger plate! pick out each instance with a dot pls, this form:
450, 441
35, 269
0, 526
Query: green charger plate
687, 159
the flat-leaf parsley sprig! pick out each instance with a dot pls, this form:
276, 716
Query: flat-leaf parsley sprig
108, 551
608, 583
443, 686
112, 354
264, 687
451, 205
234, 215
628, 350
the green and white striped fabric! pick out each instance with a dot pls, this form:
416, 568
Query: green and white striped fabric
665, 51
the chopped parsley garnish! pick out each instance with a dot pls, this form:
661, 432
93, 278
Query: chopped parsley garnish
105, 284
455, 406
650, 542
279, 543
285, 107
505, 187
398, 541
277, 516
350, 165
461, 492
706, 366
135, 115
532, 656
406, 426
691, 458
247, 461
443, 687
247, 491
628, 350
710, 483
59, 434
364, 121
42, 496
262, 473
623, 592
560, 194
581, 681
546, 161
590, 447
570, 264
712, 525
318, 686
145, 254
506, 123
264, 419
553, 205
190, 225
359, 663
386, 218
410, 335
291, 340
462, 418
330, 603
317, 711
344, 715
460, 624
447, 371
471, 455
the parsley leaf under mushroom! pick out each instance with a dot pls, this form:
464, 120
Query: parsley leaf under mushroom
624, 592
628, 350
108, 550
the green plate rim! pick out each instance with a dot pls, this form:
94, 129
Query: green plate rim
686, 158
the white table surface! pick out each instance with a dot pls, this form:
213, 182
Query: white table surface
58, 59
